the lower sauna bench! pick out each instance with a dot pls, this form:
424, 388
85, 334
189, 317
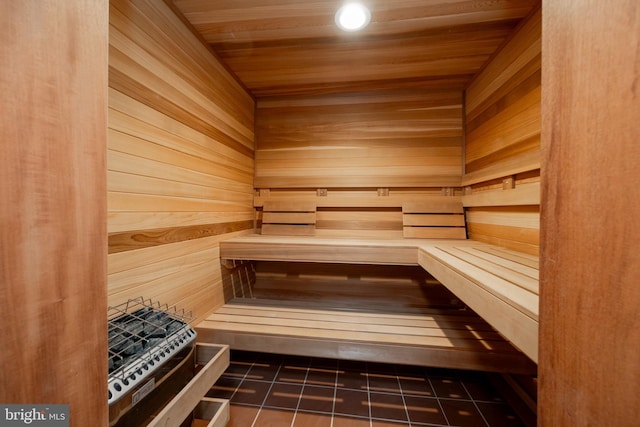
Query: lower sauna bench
457, 339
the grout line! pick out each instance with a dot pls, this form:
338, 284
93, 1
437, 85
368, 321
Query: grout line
266, 395
438, 400
335, 393
369, 395
241, 380
404, 402
304, 382
474, 404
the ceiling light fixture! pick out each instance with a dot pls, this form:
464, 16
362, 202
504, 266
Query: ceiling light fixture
353, 17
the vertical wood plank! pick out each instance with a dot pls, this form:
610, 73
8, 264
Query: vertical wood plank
53, 82
590, 328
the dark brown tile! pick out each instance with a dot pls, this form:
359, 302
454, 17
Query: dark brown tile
321, 376
462, 413
352, 402
318, 399
344, 421
251, 392
415, 386
284, 396
449, 388
263, 371
237, 369
242, 416
306, 419
424, 410
268, 417
388, 423
387, 406
224, 388
296, 361
482, 390
499, 414
352, 379
292, 374
384, 383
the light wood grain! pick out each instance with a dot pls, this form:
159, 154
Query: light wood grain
401, 338
294, 47
216, 361
503, 109
590, 265
53, 188
520, 196
180, 159
512, 310
371, 140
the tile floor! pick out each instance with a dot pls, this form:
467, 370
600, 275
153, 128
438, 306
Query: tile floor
274, 390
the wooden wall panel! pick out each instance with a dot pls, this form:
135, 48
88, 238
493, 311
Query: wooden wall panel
589, 324
370, 140
502, 143
180, 159
293, 47
53, 286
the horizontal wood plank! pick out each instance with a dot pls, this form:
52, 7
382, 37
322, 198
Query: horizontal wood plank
524, 195
434, 232
417, 339
505, 297
433, 220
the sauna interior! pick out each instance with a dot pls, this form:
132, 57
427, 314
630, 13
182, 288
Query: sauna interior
452, 186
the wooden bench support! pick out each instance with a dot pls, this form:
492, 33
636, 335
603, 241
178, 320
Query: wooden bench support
498, 284
455, 340
503, 290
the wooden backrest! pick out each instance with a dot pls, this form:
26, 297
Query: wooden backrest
289, 218
360, 214
439, 218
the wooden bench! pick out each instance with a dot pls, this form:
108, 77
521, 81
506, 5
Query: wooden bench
501, 286
444, 338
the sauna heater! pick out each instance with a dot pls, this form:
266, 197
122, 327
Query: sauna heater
151, 357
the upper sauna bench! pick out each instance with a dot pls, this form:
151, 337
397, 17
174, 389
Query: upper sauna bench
499, 284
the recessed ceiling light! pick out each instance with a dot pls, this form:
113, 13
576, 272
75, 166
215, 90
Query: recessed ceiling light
353, 17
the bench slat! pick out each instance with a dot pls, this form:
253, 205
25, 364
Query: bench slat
448, 321
434, 232
521, 299
341, 326
514, 324
289, 218
519, 257
434, 220
520, 267
513, 276
301, 331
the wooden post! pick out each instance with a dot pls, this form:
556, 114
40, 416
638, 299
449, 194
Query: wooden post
53, 238
589, 367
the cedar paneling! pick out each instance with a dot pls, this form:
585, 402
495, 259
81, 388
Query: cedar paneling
358, 213
590, 327
502, 143
179, 161
293, 47
53, 287
371, 140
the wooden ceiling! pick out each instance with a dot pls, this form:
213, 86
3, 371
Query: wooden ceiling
285, 47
